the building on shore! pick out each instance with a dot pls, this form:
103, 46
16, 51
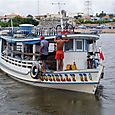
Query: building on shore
6, 18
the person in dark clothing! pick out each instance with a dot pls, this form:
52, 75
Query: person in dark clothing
43, 52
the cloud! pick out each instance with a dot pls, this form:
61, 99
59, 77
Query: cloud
35, 7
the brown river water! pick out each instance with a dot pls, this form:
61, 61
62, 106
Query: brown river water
20, 99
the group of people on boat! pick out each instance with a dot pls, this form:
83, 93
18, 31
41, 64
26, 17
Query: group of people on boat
59, 51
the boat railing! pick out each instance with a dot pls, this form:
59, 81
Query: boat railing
55, 32
51, 63
18, 62
36, 32
20, 53
24, 53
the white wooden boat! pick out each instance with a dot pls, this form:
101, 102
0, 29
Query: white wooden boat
19, 57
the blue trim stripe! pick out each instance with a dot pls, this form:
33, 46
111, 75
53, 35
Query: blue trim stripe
70, 82
47, 82
75, 72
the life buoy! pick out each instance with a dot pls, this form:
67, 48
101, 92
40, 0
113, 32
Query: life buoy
35, 71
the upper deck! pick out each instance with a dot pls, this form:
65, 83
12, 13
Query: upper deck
49, 37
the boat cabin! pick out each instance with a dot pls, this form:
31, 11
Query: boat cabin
77, 51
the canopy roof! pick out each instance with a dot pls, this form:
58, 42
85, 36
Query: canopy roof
36, 40
32, 42
21, 25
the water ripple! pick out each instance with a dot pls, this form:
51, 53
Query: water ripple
3, 94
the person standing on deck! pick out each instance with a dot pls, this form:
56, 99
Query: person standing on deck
59, 51
44, 52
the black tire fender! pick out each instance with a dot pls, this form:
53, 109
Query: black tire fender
35, 70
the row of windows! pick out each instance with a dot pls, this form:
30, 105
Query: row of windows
72, 45
76, 45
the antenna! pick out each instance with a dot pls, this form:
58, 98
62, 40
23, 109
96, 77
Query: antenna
38, 8
88, 9
61, 17
59, 5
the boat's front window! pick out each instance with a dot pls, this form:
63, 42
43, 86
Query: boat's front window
69, 45
79, 45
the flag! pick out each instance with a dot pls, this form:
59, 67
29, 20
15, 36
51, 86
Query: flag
101, 54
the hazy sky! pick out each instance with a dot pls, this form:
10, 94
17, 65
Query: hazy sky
34, 7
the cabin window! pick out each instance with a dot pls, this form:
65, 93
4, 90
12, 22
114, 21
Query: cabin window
69, 45
79, 45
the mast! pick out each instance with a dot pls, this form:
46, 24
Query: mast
88, 7
61, 16
12, 26
38, 7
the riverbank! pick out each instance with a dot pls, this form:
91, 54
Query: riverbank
101, 30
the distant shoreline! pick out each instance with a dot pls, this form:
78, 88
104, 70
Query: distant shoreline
102, 30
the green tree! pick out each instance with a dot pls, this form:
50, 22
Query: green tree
102, 14
29, 16
19, 20
4, 24
97, 15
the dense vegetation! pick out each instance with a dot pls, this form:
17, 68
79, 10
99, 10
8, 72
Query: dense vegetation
83, 21
19, 20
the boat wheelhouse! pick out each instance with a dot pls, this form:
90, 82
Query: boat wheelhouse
82, 71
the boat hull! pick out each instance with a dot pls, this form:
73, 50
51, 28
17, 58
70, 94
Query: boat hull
78, 87
76, 83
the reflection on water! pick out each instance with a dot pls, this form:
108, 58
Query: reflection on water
20, 99
24, 99
65, 103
